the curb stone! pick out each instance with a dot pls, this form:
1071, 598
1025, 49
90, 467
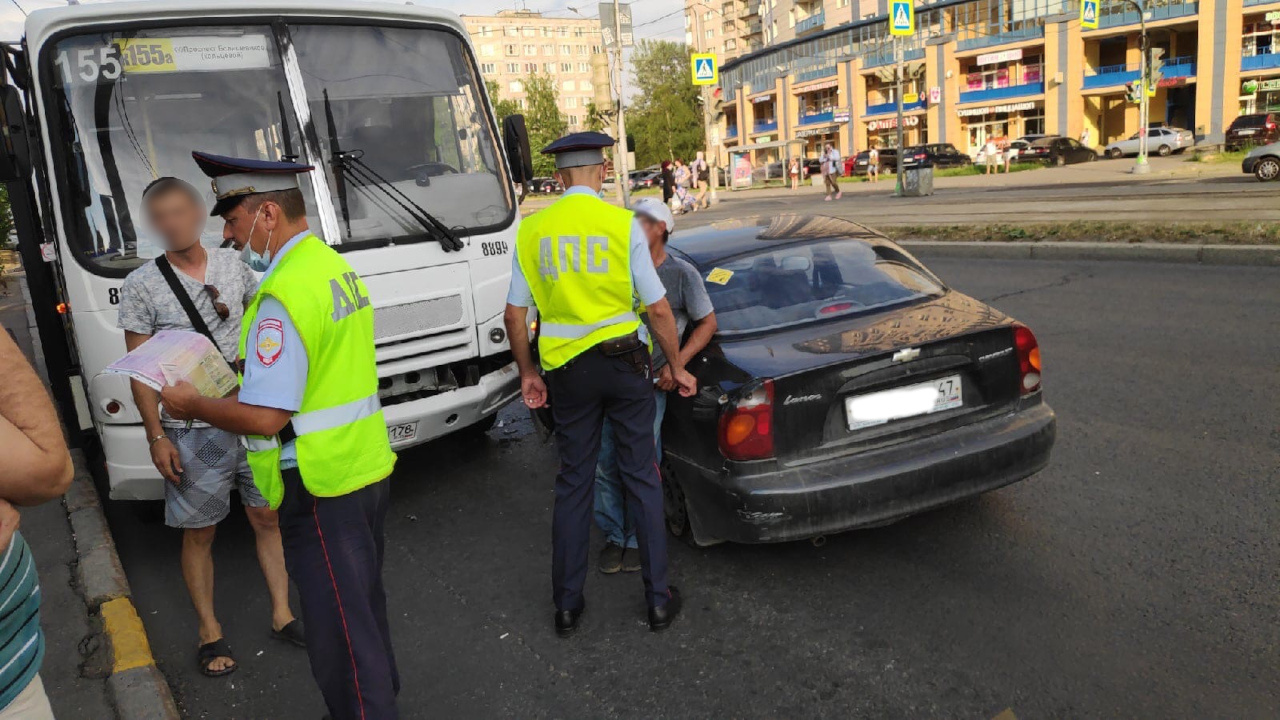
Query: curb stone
1254, 255
137, 689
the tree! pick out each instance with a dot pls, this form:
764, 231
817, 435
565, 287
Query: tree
501, 108
543, 120
598, 118
666, 116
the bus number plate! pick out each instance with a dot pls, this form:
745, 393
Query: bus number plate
403, 432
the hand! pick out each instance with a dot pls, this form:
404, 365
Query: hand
665, 382
533, 390
9, 521
165, 457
687, 383
180, 400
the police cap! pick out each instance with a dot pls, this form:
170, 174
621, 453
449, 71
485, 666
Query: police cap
579, 149
234, 178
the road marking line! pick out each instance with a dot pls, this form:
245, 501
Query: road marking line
128, 639
1006, 715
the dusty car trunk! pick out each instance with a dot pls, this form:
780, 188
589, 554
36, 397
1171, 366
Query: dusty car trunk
816, 369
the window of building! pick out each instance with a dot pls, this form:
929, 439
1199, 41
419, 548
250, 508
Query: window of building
595, 49
564, 50
569, 86
709, 34
546, 31
531, 68
566, 67
1033, 125
516, 86
582, 49
571, 102
1260, 38
577, 32
584, 67
486, 50
512, 50
530, 31
549, 68
562, 31
791, 17
730, 44
585, 85
572, 120
530, 49
548, 49
1005, 74
513, 67
488, 68
510, 31
842, 3
819, 101
486, 31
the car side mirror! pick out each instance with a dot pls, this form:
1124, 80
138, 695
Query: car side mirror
15, 157
515, 137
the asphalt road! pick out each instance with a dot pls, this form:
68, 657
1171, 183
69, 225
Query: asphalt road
1135, 577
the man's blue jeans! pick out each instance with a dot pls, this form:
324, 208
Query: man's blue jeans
611, 501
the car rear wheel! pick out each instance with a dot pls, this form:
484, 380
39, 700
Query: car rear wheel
675, 507
1267, 169
1164, 151
1114, 153
1060, 160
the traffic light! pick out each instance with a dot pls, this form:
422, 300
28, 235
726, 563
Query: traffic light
1154, 63
1133, 91
717, 105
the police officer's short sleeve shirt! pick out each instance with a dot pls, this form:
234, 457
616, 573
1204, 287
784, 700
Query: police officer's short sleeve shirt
643, 275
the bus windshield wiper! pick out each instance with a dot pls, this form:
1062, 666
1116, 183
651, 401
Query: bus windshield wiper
349, 167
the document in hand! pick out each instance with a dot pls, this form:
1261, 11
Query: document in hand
171, 356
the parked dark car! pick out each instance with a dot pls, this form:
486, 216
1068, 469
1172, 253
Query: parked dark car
1057, 150
641, 179
847, 386
938, 155
811, 167
544, 185
1249, 130
857, 164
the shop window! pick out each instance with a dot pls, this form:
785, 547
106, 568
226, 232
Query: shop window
1259, 39
1033, 125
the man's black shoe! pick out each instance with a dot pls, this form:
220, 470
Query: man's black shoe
661, 616
567, 621
610, 559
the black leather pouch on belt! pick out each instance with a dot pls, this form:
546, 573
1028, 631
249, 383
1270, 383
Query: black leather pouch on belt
615, 347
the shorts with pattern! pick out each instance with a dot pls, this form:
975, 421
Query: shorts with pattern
213, 462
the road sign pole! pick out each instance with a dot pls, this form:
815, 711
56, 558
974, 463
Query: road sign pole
620, 161
1140, 166
897, 53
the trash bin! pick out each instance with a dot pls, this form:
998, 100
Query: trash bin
917, 181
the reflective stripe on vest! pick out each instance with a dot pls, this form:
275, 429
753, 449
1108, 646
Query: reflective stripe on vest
318, 420
573, 332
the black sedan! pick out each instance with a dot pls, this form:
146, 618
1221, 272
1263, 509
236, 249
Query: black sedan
1056, 150
847, 387
939, 155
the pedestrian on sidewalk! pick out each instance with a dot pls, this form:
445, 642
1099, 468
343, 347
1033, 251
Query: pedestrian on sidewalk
873, 164
795, 173
200, 290
36, 469
991, 155
1010, 154
687, 295
668, 183
1084, 137
309, 412
702, 179
681, 174
830, 165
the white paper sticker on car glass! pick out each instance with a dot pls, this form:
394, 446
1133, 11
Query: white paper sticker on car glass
719, 276
193, 54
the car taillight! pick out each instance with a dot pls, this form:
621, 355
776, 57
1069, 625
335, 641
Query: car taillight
746, 428
1028, 358
1271, 125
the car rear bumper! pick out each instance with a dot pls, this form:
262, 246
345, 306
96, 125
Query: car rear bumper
870, 488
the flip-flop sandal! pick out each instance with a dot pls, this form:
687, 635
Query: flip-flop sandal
291, 633
212, 651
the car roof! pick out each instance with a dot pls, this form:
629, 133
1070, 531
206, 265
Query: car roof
708, 244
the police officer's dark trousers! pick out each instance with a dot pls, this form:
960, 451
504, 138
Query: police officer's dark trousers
584, 391
333, 550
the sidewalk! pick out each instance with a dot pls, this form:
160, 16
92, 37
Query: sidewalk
76, 661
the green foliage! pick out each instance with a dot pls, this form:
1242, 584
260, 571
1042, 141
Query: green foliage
666, 116
543, 119
6, 216
597, 118
501, 108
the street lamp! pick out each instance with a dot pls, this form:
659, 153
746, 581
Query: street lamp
1140, 166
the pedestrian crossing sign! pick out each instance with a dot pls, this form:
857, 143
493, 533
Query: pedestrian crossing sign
902, 18
705, 71
1089, 14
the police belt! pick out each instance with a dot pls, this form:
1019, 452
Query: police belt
613, 347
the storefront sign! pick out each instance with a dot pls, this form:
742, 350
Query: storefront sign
813, 132
762, 99
909, 98
1273, 16
840, 115
992, 109
814, 87
1171, 82
999, 57
935, 95
890, 123
1252, 87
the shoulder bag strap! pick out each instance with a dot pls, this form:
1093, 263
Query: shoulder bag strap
184, 299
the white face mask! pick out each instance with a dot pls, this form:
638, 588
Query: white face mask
256, 261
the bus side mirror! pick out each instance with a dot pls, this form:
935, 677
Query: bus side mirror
515, 137
15, 159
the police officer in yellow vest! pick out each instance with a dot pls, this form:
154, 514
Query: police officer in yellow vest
583, 263
308, 408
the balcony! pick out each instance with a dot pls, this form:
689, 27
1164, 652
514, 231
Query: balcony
1184, 66
731, 132
1251, 3
1261, 59
817, 73
892, 107
817, 118
1116, 13
885, 56
1003, 93
813, 22
763, 127
755, 27
1108, 75
982, 40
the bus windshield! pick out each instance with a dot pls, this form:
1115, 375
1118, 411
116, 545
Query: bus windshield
391, 117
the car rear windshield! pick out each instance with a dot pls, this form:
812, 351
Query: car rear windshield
1249, 121
815, 281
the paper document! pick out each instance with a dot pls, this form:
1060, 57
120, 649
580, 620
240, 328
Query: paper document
171, 356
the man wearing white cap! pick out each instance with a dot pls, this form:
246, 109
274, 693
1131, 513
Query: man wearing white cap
687, 296
581, 262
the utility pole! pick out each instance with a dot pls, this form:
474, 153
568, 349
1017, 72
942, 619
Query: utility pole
897, 56
620, 157
1140, 167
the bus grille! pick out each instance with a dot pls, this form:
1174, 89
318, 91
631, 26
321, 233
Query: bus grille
409, 320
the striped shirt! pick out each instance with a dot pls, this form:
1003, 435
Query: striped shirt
21, 641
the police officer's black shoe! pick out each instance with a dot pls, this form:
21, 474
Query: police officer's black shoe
567, 621
661, 616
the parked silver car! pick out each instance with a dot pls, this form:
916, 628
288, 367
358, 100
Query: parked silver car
1263, 161
1160, 141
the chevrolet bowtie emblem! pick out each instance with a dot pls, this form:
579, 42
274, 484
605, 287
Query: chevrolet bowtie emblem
906, 355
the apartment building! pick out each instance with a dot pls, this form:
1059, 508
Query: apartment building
1003, 68
733, 28
515, 44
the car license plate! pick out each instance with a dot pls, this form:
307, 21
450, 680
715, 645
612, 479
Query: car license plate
402, 432
1247, 132
863, 411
